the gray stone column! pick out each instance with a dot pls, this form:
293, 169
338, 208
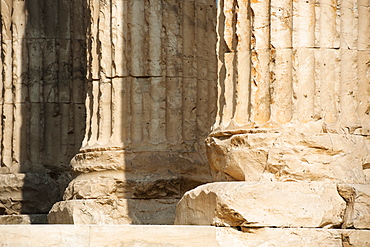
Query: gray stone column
151, 102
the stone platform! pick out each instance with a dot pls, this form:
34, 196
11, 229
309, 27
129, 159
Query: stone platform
165, 235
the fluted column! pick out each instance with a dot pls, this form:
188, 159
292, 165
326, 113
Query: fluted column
294, 64
292, 120
293, 72
151, 102
41, 103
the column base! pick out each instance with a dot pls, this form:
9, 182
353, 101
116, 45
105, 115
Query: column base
114, 211
116, 186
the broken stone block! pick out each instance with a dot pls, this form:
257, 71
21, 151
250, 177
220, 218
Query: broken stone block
261, 204
287, 156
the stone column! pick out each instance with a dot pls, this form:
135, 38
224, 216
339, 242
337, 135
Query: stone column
151, 101
41, 104
294, 75
292, 118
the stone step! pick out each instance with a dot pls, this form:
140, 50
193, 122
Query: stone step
166, 235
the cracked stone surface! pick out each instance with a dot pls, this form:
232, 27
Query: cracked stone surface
265, 155
263, 204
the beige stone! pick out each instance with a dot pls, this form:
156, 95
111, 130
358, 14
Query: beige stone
150, 102
199, 236
300, 237
274, 204
296, 64
44, 235
139, 78
357, 197
155, 236
113, 211
108, 235
267, 156
109, 185
278, 237
355, 238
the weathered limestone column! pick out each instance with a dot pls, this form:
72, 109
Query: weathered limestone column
41, 104
294, 87
150, 104
292, 120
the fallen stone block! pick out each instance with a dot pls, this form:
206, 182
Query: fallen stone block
261, 204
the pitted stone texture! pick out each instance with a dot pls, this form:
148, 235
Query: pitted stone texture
357, 213
274, 204
287, 156
111, 211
